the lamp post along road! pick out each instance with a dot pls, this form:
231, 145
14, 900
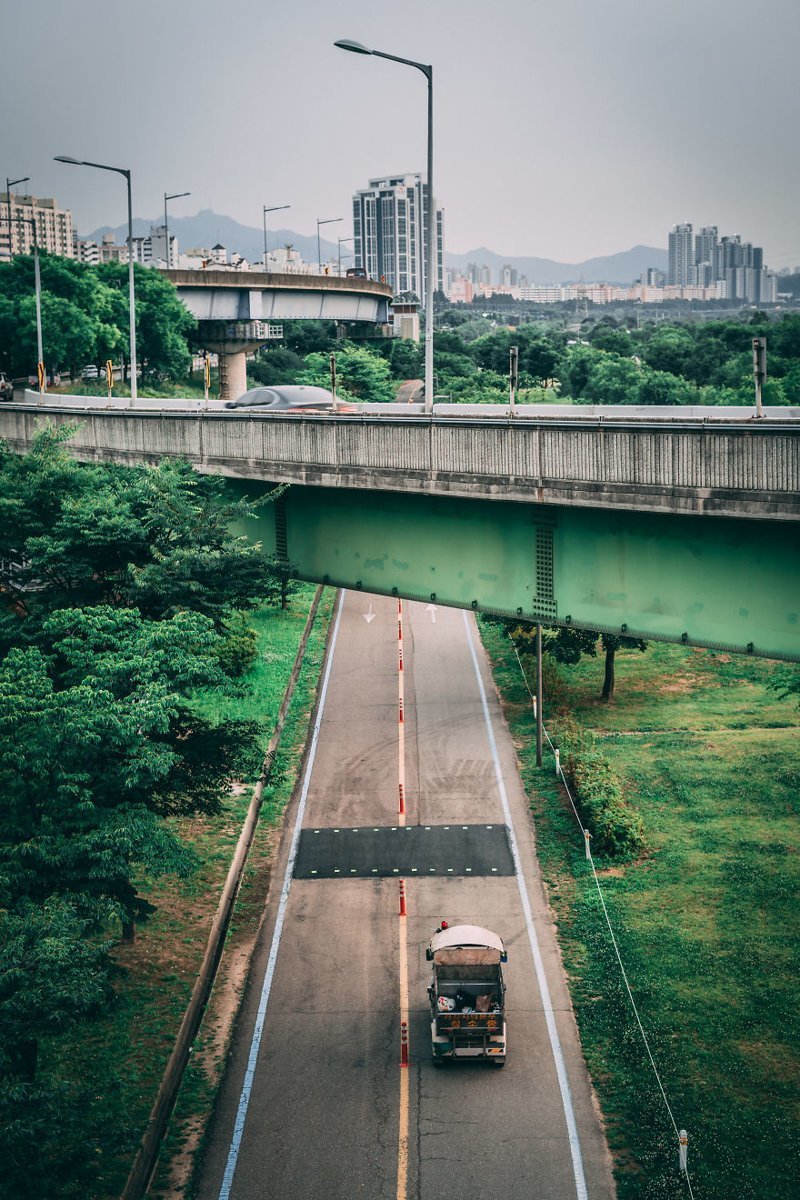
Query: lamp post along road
430, 257
275, 208
40, 367
79, 162
9, 184
329, 221
341, 242
172, 196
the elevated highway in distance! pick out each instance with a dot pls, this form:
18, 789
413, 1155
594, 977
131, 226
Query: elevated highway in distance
673, 524
235, 308
268, 296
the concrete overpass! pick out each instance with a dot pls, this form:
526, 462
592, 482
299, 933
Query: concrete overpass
681, 525
234, 309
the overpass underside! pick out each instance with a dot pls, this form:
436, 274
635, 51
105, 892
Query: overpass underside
704, 581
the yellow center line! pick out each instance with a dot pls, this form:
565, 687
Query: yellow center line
402, 1140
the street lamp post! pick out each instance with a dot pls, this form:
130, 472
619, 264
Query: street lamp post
430, 272
79, 162
341, 240
40, 367
275, 208
9, 184
172, 196
329, 221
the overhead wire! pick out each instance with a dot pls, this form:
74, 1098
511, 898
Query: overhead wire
586, 836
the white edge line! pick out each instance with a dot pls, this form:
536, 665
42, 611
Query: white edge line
258, 1029
544, 991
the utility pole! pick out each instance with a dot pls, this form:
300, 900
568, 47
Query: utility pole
513, 376
759, 371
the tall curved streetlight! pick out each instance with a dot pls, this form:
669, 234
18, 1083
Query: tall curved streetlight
171, 196
341, 242
9, 184
329, 221
41, 370
430, 270
275, 208
79, 162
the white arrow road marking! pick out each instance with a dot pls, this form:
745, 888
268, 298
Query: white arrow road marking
431, 608
369, 616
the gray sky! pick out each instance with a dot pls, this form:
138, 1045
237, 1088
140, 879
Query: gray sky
566, 128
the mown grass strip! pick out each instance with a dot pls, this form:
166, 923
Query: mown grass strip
707, 923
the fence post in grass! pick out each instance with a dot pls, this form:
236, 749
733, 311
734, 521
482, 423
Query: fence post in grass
683, 1148
537, 704
558, 762
586, 836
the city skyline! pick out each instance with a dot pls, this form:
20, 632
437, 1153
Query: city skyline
567, 131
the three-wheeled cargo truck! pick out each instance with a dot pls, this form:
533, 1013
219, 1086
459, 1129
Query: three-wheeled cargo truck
467, 995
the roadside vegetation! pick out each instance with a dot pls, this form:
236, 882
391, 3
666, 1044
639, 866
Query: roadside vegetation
139, 672
600, 360
653, 357
704, 748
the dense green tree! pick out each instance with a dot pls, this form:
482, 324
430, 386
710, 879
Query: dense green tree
164, 325
274, 367
407, 359
158, 539
51, 976
566, 644
669, 349
612, 380
659, 387
85, 317
361, 375
614, 341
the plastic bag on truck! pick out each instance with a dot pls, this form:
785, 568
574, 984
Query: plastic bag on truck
446, 1004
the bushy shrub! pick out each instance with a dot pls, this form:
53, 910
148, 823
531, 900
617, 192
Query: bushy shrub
616, 827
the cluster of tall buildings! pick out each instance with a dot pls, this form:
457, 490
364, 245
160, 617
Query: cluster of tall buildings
390, 243
705, 260
26, 221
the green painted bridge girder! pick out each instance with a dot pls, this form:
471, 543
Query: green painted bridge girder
704, 581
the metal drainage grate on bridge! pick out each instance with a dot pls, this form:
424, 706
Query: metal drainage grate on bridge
403, 850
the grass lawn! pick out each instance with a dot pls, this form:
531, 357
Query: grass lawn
707, 923
125, 1053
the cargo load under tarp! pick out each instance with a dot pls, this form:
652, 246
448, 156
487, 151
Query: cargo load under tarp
467, 994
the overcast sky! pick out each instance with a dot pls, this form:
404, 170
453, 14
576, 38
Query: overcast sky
565, 129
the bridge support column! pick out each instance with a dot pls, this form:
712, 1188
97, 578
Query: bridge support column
232, 374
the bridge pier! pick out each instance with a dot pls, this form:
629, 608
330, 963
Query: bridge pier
232, 374
231, 341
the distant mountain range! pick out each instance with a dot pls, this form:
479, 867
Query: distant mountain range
208, 228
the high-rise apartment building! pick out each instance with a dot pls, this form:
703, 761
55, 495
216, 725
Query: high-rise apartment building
389, 234
681, 256
19, 215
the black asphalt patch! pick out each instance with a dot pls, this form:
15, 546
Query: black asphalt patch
372, 852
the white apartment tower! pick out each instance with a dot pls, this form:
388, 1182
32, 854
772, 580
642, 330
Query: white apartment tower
19, 214
389, 234
681, 257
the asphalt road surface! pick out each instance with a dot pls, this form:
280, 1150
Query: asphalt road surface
315, 1102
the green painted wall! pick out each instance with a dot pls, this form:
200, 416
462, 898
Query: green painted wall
708, 581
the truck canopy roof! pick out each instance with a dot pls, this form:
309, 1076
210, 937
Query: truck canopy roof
467, 936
